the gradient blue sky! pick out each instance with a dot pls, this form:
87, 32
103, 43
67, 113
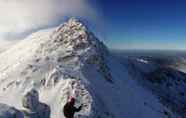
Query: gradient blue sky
122, 24
144, 24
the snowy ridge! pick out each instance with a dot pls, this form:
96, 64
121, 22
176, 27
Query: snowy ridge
164, 80
70, 61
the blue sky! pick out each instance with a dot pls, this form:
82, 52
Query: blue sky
144, 24
122, 24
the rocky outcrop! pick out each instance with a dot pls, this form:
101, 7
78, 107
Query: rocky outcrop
34, 108
9, 112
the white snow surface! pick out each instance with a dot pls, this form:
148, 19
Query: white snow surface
70, 61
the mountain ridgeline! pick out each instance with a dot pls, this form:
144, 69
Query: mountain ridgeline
40, 73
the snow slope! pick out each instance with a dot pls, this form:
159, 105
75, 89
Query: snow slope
70, 61
5, 45
164, 80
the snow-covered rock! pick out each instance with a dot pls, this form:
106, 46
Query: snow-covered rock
33, 108
9, 112
70, 61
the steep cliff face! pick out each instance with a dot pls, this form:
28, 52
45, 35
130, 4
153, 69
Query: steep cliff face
70, 61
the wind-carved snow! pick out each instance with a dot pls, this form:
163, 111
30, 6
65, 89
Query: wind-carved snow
70, 61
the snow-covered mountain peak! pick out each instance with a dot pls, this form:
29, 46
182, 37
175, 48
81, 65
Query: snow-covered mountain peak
70, 61
73, 34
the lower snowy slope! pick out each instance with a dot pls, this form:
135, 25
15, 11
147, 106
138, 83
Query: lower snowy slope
163, 77
70, 61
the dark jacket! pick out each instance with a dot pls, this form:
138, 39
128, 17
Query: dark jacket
69, 110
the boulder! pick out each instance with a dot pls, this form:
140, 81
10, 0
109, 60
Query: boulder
33, 107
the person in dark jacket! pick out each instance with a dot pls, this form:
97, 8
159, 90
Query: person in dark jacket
69, 108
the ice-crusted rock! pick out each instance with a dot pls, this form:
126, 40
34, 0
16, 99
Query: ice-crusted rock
73, 34
53, 77
9, 112
34, 108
